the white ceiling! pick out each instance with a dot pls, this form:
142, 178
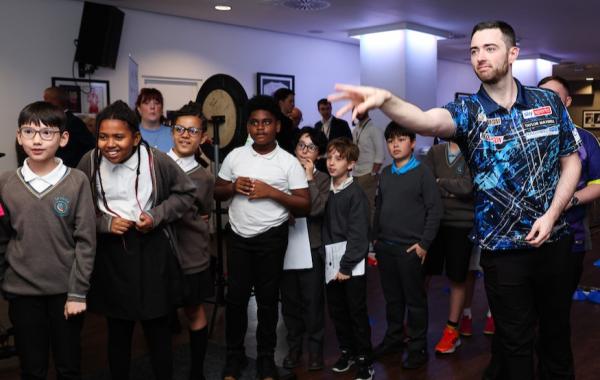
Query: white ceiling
567, 30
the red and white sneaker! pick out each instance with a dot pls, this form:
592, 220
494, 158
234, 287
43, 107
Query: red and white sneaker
490, 327
449, 342
466, 326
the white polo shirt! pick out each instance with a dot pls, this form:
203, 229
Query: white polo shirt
41, 183
279, 169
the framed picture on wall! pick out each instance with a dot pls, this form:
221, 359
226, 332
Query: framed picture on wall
86, 96
591, 119
267, 83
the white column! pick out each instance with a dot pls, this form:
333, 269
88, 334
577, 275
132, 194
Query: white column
530, 71
404, 62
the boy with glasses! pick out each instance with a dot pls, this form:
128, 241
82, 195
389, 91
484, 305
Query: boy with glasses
47, 246
302, 290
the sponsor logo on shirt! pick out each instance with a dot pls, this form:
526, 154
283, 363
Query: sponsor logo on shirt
62, 206
575, 136
491, 138
481, 117
551, 131
494, 122
537, 112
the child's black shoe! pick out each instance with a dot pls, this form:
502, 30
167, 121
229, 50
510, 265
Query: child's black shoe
344, 363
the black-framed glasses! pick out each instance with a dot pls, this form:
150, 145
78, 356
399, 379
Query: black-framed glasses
193, 131
46, 134
311, 147
264, 122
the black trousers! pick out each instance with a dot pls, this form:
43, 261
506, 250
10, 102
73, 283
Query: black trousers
158, 338
303, 305
347, 301
40, 325
255, 262
403, 283
525, 287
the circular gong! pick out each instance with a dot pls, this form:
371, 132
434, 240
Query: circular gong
223, 95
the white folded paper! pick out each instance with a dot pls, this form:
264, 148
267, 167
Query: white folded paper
333, 256
298, 254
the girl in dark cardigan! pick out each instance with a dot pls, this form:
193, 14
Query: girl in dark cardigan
139, 191
189, 131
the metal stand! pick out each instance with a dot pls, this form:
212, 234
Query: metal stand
220, 281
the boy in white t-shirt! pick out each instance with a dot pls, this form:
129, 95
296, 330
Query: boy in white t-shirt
266, 184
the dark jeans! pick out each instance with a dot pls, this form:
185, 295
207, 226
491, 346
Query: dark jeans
255, 262
40, 325
525, 287
158, 338
403, 283
303, 305
347, 301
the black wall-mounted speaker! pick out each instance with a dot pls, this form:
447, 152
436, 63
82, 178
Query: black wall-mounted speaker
99, 35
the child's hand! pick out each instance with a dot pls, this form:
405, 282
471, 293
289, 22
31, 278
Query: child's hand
243, 185
119, 226
309, 168
341, 277
418, 251
260, 190
73, 308
146, 223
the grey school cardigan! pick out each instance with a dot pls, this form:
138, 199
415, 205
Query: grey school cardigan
47, 239
167, 179
319, 192
455, 185
191, 230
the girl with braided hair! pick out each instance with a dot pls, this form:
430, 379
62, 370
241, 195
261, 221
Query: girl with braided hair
139, 191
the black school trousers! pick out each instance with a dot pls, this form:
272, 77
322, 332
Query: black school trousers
403, 283
40, 326
528, 288
347, 301
254, 263
303, 305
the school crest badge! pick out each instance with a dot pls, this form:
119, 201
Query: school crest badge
62, 206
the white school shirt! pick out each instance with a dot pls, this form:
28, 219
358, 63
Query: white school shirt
118, 181
185, 163
279, 169
41, 183
347, 182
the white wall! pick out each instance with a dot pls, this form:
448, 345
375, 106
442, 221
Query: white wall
37, 36
455, 77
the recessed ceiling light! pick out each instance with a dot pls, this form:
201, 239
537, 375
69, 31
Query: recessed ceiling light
223, 7
589, 79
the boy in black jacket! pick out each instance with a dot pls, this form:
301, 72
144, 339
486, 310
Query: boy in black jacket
347, 219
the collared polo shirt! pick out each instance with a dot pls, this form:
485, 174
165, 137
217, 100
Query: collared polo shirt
185, 163
277, 168
514, 156
41, 183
